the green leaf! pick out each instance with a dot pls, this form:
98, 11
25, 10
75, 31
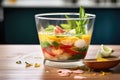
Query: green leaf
55, 44
71, 23
82, 12
65, 26
45, 44
78, 25
68, 21
78, 29
50, 28
77, 56
81, 24
84, 49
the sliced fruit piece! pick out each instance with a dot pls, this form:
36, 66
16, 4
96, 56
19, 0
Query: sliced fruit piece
106, 51
58, 30
80, 43
98, 55
48, 52
87, 38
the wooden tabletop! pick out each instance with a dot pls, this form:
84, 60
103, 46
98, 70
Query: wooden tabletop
10, 70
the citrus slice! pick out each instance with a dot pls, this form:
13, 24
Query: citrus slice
99, 55
106, 51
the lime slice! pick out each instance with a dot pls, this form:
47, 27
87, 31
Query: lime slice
98, 55
106, 51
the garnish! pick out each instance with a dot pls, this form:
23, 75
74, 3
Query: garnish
54, 43
78, 25
104, 52
18, 62
28, 64
50, 28
36, 65
45, 44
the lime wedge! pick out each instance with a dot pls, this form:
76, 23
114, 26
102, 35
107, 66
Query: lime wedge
106, 51
99, 55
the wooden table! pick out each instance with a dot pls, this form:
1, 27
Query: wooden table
9, 70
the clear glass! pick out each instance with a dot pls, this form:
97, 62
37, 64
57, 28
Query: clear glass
64, 37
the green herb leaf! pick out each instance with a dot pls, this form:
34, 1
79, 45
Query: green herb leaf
77, 56
81, 12
84, 49
65, 26
78, 25
81, 24
68, 21
50, 28
55, 44
45, 44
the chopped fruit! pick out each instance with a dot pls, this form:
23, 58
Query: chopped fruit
64, 56
48, 52
66, 40
80, 43
69, 40
87, 38
57, 51
58, 30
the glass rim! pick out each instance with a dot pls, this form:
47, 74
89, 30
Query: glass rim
43, 16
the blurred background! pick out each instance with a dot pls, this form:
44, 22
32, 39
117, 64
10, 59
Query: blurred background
17, 23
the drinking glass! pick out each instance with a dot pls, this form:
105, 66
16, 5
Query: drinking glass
64, 37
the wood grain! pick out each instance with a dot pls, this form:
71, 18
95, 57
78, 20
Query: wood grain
9, 70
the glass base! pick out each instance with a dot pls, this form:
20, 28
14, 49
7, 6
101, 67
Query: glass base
69, 64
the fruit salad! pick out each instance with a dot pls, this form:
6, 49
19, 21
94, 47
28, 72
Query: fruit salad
66, 41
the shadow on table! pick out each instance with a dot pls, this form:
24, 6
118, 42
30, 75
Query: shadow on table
116, 69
